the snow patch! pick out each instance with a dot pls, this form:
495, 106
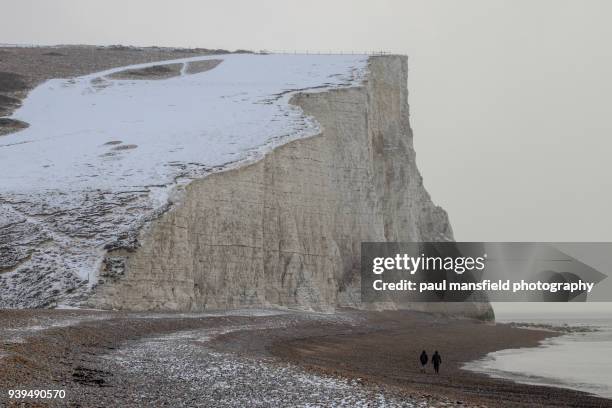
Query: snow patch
224, 379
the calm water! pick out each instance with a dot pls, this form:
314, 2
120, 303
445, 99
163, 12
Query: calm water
581, 361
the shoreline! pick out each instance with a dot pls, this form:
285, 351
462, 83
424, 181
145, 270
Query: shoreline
536, 365
79, 351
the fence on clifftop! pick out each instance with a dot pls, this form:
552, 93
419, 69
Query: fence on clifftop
329, 52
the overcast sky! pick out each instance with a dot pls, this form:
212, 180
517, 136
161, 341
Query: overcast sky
510, 100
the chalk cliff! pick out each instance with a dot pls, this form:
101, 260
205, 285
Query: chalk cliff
287, 229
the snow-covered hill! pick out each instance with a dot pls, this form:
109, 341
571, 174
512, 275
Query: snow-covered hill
102, 156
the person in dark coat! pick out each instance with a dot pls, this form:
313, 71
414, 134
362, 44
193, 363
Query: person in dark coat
436, 360
424, 359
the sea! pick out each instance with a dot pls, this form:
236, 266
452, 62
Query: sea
577, 360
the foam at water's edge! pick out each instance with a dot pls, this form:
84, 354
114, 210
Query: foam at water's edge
572, 361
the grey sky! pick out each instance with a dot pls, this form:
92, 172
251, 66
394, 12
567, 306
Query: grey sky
510, 99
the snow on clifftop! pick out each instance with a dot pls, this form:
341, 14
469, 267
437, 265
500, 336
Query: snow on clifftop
102, 155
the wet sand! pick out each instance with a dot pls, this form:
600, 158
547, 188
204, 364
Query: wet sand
387, 354
110, 358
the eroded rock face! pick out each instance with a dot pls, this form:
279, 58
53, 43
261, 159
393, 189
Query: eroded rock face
287, 230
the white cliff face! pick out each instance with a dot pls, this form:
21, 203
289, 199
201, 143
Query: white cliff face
102, 156
251, 184
287, 230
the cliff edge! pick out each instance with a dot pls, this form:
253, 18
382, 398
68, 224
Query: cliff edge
286, 230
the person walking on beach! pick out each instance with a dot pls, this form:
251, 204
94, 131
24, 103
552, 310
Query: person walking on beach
436, 360
424, 359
